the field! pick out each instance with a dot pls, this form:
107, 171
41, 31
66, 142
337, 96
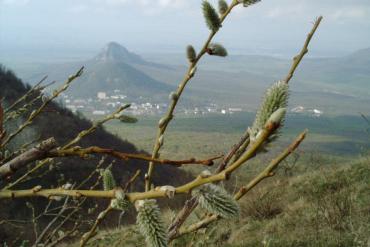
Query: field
203, 136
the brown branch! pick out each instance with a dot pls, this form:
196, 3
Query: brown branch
181, 217
232, 152
77, 138
33, 154
83, 152
270, 127
131, 180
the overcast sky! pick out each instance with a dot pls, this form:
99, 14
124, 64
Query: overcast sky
271, 26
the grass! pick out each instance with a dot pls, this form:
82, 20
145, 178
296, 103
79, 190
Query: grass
209, 135
328, 206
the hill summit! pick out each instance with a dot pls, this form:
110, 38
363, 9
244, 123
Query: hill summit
114, 52
115, 68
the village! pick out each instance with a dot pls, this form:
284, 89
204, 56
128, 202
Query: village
106, 102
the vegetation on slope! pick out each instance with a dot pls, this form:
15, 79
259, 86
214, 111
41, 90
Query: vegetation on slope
327, 206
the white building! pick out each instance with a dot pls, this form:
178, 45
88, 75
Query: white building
97, 112
102, 95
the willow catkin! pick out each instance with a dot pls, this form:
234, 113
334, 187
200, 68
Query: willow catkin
275, 97
150, 223
217, 200
211, 17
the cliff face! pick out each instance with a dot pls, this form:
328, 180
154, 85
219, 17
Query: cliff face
63, 125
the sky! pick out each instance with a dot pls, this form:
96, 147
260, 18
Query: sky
276, 27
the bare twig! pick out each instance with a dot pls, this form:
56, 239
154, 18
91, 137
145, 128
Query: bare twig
36, 112
297, 59
25, 96
169, 115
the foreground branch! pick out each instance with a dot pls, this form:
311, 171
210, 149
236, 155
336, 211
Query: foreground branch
83, 152
266, 173
270, 127
31, 155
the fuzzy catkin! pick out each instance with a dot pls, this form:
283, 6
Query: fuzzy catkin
191, 53
216, 49
276, 97
217, 200
247, 3
108, 180
212, 19
150, 223
222, 6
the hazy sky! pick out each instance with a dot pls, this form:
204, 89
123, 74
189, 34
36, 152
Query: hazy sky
271, 26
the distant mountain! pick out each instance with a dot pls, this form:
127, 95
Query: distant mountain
112, 68
116, 53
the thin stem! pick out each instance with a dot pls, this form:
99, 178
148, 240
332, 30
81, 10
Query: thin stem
169, 115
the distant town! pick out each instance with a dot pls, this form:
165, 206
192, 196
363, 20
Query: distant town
106, 102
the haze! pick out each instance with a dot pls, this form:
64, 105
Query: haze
36, 28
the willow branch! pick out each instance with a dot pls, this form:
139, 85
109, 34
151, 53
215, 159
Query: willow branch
36, 112
78, 137
169, 115
232, 152
95, 125
25, 96
92, 232
83, 152
266, 173
192, 203
297, 59
270, 127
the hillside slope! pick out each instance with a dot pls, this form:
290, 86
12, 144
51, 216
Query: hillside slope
61, 124
328, 207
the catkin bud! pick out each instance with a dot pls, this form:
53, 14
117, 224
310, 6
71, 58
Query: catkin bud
173, 96
222, 6
150, 223
216, 200
127, 119
108, 180
247, 3
277, 116
191, 53
276, 97
212, 19
217, 50
162, 122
